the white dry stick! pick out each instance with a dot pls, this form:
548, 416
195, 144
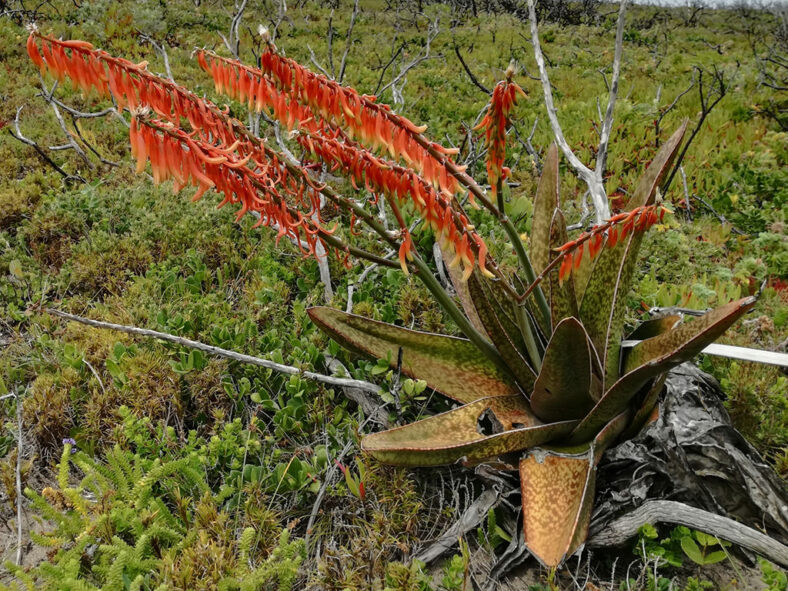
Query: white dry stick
18, 476
607, 124
592, 178
219, 352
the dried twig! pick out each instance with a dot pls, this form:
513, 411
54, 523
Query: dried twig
41, 152
709, 97
594, 179
219, 352
432, 32
468, 71
607, 124
626, 527
348, 41
233, 41
160, 48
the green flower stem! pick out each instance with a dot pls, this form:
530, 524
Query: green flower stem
530, 343
423, 272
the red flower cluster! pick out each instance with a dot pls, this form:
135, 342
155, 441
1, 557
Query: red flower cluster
372, 124
267, 184
177, 156
382, 177
130, 84
638, 220
494, 123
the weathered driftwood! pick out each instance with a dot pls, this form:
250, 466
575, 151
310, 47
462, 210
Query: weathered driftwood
622, 529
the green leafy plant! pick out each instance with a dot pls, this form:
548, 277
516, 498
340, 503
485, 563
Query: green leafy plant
700, 548
142, 522
540, 372
566, 396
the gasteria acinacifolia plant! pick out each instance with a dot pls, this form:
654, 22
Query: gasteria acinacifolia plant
543, 382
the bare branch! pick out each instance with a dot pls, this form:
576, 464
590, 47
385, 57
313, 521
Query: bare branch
348, 41
41, 152
233, 41
607, 124
160, 48
432, 32
468, 71
626, 527
219, 352
594, 182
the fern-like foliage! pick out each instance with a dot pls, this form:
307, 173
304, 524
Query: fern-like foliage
132, 521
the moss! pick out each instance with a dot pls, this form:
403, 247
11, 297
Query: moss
48, 411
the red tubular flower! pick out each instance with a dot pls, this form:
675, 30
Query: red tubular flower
494, 123
285, 85
382, 177
255, 186
218, 154
607, 234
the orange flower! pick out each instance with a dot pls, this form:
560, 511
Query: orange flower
638, 220
494, 123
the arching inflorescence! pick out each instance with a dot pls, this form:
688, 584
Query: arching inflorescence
324, 134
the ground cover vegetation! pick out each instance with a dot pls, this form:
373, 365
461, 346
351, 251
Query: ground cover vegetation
199, 466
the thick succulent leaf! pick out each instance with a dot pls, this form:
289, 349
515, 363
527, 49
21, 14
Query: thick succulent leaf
656, 171
651, 357
562, 390
502, 331
608, 435
690, 337
461, 288
602, 309
646, 407
563, 303
477, 431
654, 327
452, 366
545, 204
489, 294
558, 494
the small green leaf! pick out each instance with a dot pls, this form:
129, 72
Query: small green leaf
692, 550
15, 268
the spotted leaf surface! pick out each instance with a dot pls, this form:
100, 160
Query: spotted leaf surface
602, 311
558, 493
657, 355
450, 365
462, 434
562, 390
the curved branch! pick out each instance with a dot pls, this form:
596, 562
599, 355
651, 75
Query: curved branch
219, 352
626, 527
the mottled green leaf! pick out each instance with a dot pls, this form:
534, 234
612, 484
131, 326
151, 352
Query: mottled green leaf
545, 204
461, 434
689, 337
602, 309
461, 288
646, 407
656, 355
609, 433
647, 185
562, 390
563, 303
557, 496
654, 327
503, 333
452, 366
